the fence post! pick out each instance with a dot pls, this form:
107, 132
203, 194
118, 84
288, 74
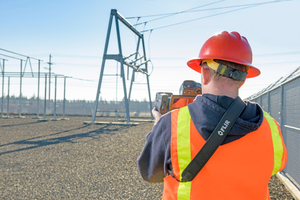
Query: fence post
45, 100
269, 103
38, 92
281, 109
2, 90
55, 91
64, 101
8, 85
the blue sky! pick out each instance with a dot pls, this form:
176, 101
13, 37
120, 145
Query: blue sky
74, 33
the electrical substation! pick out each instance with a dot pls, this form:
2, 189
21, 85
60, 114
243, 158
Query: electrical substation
137, 61
26, 61
280, 99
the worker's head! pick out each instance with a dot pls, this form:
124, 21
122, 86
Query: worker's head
225, 72
228, 57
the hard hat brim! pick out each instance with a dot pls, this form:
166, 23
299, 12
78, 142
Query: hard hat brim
195, 65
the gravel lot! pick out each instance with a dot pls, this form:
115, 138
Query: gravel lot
67, 159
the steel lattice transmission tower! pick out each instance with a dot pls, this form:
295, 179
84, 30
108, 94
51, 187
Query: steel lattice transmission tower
123, 60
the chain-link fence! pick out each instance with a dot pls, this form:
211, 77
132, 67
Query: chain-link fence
282, 100
72, 107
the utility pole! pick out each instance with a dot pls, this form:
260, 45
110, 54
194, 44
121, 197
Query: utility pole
2, 89
50, 63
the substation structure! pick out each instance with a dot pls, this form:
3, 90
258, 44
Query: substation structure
39, 76
138, 64
22, 74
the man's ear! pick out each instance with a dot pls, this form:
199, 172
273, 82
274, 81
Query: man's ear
206, 76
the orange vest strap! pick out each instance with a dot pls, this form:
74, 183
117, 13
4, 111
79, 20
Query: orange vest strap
215, 140
242, 175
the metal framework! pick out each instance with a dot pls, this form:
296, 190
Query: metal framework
2, 71
21, 75
24, 74
124, 61
33, 75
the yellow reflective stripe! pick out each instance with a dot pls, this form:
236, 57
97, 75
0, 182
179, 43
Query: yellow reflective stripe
183, 150
277, 143
183, 139
184, 191
268, 194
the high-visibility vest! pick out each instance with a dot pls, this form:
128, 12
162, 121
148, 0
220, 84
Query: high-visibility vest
239, 170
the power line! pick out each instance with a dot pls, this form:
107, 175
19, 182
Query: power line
156, 15
276, 63
279, 54
18, 54
145, 16
77, 56
243, 5
195, 19
161, 58
80, 79
192, 10
180, 58
176, 13
246, 6
79, 64
12, 57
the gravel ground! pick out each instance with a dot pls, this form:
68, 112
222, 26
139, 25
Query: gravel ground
67, 159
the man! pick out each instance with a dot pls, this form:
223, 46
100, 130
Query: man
251, 153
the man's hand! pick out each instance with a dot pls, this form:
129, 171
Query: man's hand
157, 115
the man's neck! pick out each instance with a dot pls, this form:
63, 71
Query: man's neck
223, 90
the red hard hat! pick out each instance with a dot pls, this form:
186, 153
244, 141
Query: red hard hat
226, 46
